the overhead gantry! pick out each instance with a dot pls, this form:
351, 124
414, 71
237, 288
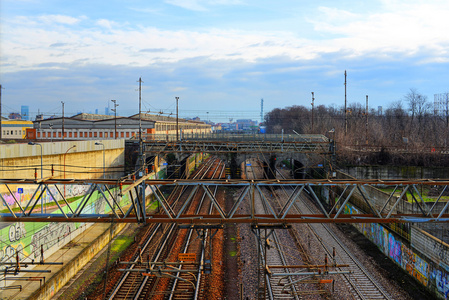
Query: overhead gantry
234, 149
112, 194
244, 144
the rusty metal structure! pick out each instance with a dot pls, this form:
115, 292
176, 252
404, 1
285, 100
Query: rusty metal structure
242, 144
377, 210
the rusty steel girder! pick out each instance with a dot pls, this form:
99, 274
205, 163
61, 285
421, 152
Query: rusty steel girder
110, 194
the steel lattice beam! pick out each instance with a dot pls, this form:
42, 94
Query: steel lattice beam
213, 147
377, 210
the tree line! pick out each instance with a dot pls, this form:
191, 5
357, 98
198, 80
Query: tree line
412, 123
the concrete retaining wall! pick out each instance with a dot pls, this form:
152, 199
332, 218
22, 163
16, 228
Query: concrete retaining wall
393, 172
85, 161
425, 258
21, 160
422, 255
56, 282
431, 246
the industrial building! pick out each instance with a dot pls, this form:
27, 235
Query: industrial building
91, 126
15, 129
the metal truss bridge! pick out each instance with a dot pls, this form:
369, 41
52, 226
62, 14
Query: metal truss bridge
244, 144
112, 192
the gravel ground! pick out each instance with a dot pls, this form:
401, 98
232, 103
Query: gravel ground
399, 284
391, 275
88, 283
232, 284
240, 263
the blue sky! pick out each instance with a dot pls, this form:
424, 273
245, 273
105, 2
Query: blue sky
219, 56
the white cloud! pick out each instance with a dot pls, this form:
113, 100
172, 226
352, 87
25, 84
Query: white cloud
418, 27
108, 24
406, 27
187, 4
59, 19
201, 5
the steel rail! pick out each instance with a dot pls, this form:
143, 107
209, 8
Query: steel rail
135, 259
146, 244
361, 293
203, 170
188, 242
277, 256
357, 263
162, 248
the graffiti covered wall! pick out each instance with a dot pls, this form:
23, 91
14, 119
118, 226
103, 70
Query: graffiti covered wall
433, 275
28, 240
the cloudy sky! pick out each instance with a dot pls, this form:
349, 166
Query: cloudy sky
219, 56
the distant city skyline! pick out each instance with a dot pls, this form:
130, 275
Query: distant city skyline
219, 57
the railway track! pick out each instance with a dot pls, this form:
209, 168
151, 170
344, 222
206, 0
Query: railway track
161, 246
272, 255
360, 282
183, 280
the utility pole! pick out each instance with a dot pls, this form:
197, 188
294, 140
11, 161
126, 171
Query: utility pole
141, 159
313, 99
140, 110
62, 120
366, 118
177, 128
115, 117
346, 109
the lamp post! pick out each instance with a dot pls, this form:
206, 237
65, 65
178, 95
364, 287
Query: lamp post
333, 146
51, 131
32, 143
74, 146
101, 144
42, 175
177, 98
64, 163
115, 117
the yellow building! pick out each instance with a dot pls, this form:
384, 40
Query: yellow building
15, 129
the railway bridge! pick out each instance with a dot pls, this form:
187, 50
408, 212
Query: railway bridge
124, 200
300, 151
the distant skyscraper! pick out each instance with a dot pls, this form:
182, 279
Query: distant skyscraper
25, 112
96, 111
106, 111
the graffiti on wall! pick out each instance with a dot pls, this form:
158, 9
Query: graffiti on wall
8, 251
428, 273
414, 265
27, 239
48, 236
394, 248
23, 198
442, 282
